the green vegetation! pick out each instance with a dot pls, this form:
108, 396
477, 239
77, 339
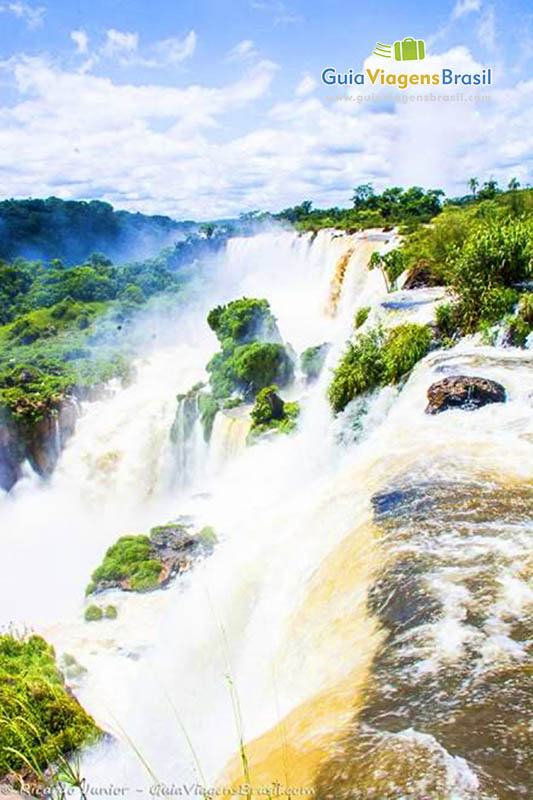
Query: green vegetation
403, 347
520, 326
71, 668
93, 614
482, 250
186, 413
408, 207
479, 245
243, 321
246, 363
392, 264
361, 316
495, 256
271, 413
63, 329
207, 536
377, 359
97, 613
30, 285
208, 410
131, 561
358, 370
312, 360
63, 334
73, 229
41, 723
197, 402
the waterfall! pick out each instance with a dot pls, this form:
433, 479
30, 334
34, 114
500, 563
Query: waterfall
189, 439
316, 531
228, 439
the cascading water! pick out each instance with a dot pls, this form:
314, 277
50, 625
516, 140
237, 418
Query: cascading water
286, 638
230, 431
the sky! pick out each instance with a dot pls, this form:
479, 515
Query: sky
203, 110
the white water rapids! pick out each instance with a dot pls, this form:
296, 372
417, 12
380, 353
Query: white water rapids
262, 618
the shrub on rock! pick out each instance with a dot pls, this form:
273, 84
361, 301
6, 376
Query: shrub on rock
377, 358
248, 368
252, 355
93, 614
244, 321
270, 413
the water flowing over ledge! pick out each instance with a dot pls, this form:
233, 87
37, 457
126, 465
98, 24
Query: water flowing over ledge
364, 602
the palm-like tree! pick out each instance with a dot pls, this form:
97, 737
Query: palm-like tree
473, 184
513, 184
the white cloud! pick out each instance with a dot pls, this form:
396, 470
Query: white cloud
175, 50
243, 51
306, 86
463, 7
281, 12
125, 47
33, 15
120, 42
81, 40
486, 30
159, 148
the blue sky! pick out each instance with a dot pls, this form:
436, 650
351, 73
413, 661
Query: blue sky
205, 109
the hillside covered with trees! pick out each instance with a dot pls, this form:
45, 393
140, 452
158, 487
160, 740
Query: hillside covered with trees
407, 208
71, 230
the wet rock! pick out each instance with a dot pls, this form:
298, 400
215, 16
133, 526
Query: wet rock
177, 546
419, 276
46, 438
10, 457
462, 391
39, 440
174, 547
276, 405
400, 598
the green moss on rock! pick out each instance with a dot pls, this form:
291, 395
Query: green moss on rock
129, 560
271, 413
143, 563
93, 614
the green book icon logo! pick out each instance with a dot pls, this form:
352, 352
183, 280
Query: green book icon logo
407, 49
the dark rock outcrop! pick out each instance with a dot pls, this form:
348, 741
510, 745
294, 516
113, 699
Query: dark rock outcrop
39, 440
419, 276
462, 391
274, 403
10, 455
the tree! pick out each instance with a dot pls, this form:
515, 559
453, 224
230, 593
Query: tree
489, 190
513, 184
362, 195
473, 185
208, 229
296, 213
